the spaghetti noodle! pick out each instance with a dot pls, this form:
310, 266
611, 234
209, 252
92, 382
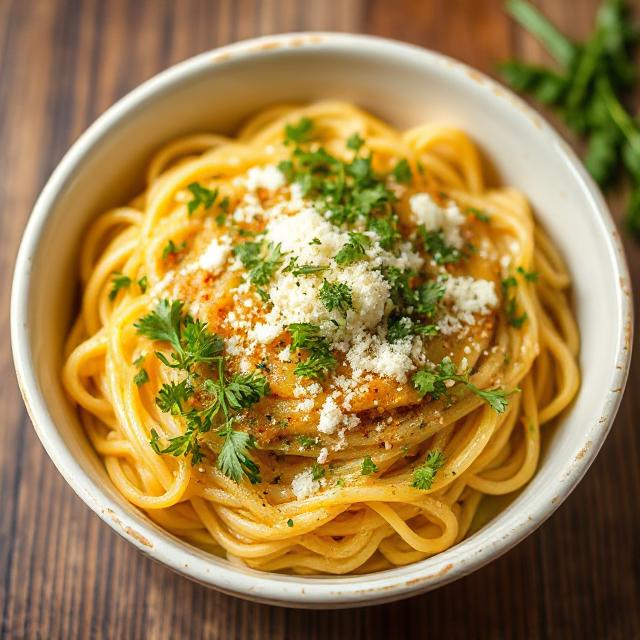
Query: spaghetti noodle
316, 346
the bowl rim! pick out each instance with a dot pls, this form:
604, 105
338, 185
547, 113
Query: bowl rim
300, 591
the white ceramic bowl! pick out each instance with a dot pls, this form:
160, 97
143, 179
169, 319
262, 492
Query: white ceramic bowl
402, 84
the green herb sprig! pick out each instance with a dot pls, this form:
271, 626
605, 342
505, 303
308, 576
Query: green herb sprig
587, 90
424, 475
434, 382
336, 295
220, 398
200, 196
307, 336
368, 466
262, 260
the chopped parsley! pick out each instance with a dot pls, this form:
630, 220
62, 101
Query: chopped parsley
386, 228
510, 304
220, 397
345, 192
478, 214
529, 276
262, 260
354, 249
221, 218
200, 196
336, 295
402, 172
354, 142
302, 269
317, 471
307, 336
400, 327
368, 466
289, 522
143, 283
424, 475
171, 249
118, 282
142, 377
434, 243
306, 442
299, 132
434, 382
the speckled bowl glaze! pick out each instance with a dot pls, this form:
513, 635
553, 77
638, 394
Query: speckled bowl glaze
405, 85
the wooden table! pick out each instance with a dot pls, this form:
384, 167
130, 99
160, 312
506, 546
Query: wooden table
64, 574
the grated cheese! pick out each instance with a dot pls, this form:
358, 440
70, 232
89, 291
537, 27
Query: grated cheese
303, 485
436, 218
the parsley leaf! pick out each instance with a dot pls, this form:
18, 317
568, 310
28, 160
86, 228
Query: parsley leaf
368, 466
179, 445
143, 283
400, 327
588, 90
171, 249
354, 249
434, 382
299, 132
317, 471
303, 269
511, 306
426, 297
234, 460
307, 442
529, 276
386, 228
354, 142
435, 244
262, 260
307, 336
336, 295
424, 475
192, 342
200, 196
142, 377
478, 214
172, 397
199, 401
402, 172
118, 282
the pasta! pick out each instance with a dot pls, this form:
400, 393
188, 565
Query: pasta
316, 346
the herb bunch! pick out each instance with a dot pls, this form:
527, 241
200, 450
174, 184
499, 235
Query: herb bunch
207, 396
586, 90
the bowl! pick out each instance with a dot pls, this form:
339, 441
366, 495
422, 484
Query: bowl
404, 85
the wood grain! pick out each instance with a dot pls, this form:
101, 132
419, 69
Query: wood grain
63, 573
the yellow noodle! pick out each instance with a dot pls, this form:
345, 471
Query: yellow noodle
355, 522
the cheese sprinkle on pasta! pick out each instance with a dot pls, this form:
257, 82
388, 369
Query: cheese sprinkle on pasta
316, 346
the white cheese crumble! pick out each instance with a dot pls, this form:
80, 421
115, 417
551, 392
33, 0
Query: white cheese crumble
268, 177
303, 485
467, 297
436, 218
323, 455
215, 255
305, 405
331, 417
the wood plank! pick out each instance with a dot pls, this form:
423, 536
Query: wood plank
66, 575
